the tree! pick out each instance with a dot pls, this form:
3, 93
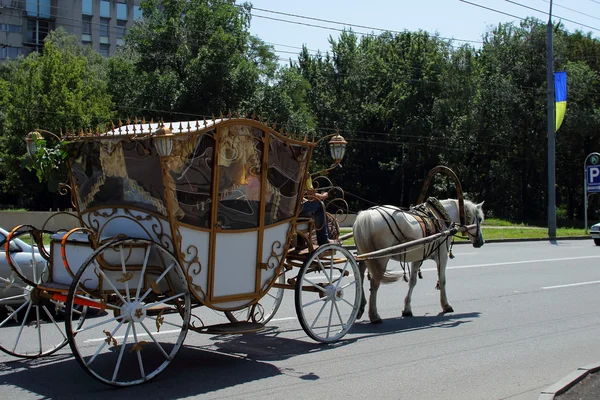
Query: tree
62, 88
190, 58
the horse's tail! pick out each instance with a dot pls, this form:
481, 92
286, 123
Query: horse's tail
364, 228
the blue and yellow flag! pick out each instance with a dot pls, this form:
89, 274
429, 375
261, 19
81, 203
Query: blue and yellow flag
560, 90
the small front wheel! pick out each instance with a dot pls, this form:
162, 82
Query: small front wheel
328, 293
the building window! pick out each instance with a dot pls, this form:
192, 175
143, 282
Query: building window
86, 7
122, 11
37, 31
13, 52
137, 13
104, 25
121, 29
86, 24
105, 9
104, 49
10, 28
38, 8
10, 52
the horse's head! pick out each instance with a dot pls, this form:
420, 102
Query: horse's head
475, 217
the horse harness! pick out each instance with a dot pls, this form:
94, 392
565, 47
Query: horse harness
431, 216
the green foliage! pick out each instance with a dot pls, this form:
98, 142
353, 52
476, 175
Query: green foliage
63, 87
48, 163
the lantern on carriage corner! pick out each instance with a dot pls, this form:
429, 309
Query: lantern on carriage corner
163, 141
31, 142
337, 147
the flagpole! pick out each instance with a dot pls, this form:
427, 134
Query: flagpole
551, 130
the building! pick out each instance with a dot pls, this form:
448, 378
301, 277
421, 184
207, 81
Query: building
100, 23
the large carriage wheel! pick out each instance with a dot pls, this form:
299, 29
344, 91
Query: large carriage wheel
31, 323
328, 293
263, 311
144, 292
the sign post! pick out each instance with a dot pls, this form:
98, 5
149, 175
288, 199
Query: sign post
591, 181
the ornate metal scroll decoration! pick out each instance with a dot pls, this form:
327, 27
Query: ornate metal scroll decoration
110, 339
277, 250
191, 263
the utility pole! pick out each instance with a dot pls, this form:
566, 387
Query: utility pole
551, 130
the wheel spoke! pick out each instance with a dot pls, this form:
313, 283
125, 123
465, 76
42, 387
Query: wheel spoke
139, 351
13, 313
53, 321
349, 284
319, 314
331, 268
337, 310
158, 280
166, 323
98, 324
321, 288
12, 298
350, 304
342, 274
310, 303
322, 268
99, 270
39, 327
330, 315
33, 264
103, 345
154, 340
22, 324
121, 353
12, 283
124, 269
156, 303
137, 292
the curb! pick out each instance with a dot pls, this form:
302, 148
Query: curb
568, 382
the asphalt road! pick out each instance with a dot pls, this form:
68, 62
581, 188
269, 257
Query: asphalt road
526, 315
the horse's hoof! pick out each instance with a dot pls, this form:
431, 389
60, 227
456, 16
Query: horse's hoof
407, 313
448, 309
360, 313
377, 321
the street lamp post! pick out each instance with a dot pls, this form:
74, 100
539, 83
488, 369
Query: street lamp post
551, 131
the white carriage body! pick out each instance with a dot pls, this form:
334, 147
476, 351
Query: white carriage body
135, 182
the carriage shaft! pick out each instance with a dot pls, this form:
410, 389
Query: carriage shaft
389, 251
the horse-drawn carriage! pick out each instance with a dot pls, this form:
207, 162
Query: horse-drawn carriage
170, 218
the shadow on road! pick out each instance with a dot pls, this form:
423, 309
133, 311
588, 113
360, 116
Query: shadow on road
195, 371
228, 361
408, 324
267, 345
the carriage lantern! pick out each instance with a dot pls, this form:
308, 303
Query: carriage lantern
163, 141
31, 142
337, 146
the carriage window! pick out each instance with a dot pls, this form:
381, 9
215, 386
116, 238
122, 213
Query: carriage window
240, 178
190, 174
285, 172
110, 174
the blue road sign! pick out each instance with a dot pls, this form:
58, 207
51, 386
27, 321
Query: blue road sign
593, 178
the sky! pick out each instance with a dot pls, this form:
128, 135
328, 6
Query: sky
456, 19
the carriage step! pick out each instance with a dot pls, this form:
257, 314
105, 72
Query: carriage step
232, 328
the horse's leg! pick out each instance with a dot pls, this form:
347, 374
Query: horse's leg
362, 268
380, 265
442, 260
414, 269
373, 314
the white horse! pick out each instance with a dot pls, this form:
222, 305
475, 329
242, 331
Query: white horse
385, 226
